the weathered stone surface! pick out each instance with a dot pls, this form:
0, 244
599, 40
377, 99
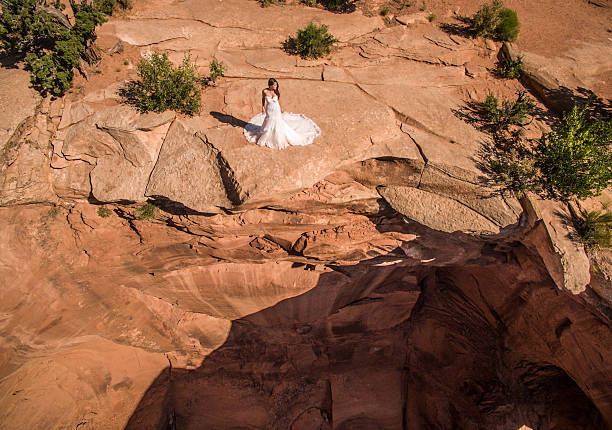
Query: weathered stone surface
482, 200
17, 101
435, 211
563, 256
26, 180
563, 81
413, 18
191, 172
72, 180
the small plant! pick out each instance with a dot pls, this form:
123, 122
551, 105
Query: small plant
496, 22
595, 227
311, 3
512, 168
104, 212
314, 41
162, 86
265, 3
384, 11
117, 69
126, 62
97, 71
576, 157
431, 17
510, 112
53, 212
423, 7
340, 6
217, 69
510, 68
146, 212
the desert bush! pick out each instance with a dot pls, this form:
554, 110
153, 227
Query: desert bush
146, 211
384, 11
510, 68
338, 5
595, 227
496, 22
162, 86
53, 212
576, 158
104, 212
314, 41
431, 17
512, 170
510, 112
217, 69
50, 44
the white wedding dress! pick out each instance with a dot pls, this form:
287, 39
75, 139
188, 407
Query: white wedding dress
278, 130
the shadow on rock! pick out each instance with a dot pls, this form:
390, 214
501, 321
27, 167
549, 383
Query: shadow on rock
228, 119
448, 342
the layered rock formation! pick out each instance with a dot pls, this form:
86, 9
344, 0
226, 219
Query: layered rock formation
371, 280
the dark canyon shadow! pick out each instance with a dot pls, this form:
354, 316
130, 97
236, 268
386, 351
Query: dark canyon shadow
388, 344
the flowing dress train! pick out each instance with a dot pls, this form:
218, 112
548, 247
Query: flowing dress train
278, 130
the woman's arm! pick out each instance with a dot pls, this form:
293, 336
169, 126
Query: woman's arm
263, 101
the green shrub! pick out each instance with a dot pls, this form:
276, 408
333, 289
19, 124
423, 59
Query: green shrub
146, 212
510, 68
265, 3
314, 41
431, 17
508, 27
496, 22
595, 227
162, 86
51, 45
576, 158
338, 5
310, 3
217, 69
509, 113
104, 212
384, 11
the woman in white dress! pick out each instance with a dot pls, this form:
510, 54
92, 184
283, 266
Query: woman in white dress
277, 129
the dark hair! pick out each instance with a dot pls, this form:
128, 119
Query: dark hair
272, 81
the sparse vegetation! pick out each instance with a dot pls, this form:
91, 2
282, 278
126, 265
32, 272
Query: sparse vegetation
104, 212
431, 17
384, 11
53, 212
51, 45
147, 211
494, 21
572, 161
510, 68
126, 62
162, 86
217, 69
340, 6
515, 112
576, 158
313, 41
595, 227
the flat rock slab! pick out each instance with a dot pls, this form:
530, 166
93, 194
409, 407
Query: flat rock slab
435, 211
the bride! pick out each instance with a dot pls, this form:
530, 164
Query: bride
277, 129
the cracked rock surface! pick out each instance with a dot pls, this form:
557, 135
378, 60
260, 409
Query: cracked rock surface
371, 280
